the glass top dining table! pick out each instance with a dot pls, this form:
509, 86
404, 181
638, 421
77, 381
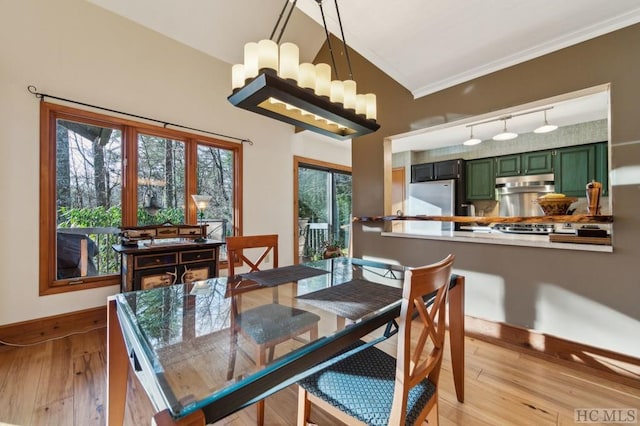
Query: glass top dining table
181, 343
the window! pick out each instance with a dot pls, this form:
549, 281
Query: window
99, 173
161, 180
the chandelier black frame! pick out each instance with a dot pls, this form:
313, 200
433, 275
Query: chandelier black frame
283, 99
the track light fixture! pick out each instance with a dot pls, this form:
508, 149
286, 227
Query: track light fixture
506, 135
472, 140
546, 127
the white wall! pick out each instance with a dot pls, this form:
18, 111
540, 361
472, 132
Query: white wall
75, 50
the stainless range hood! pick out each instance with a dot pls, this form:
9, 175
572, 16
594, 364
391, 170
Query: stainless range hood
517, 194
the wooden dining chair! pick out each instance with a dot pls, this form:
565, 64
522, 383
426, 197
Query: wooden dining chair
373, 388
267, 325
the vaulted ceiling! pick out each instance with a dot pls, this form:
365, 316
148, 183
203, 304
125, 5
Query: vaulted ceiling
425, 45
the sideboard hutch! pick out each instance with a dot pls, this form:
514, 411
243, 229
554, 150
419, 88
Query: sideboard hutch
165, 255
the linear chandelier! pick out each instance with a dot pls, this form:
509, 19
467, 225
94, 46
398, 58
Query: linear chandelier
505, 134
271, 82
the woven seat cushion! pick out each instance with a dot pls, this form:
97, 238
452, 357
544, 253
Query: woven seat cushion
362, 386
273, 321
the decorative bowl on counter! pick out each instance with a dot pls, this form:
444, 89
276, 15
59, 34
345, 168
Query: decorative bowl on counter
555, 206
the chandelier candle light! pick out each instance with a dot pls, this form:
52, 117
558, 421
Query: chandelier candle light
272, 82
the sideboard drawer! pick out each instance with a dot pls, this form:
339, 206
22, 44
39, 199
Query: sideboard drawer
197, 256
155, 260
157, 277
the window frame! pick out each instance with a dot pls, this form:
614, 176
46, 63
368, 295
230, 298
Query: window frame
49, 114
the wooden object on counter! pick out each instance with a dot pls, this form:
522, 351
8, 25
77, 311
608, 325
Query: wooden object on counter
569, 238
486, 220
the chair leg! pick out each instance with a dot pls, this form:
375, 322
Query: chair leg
271, 353
233, 349
261, 354
313, 333
304, 407
260, 413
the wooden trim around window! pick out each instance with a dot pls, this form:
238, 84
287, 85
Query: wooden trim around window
49, 113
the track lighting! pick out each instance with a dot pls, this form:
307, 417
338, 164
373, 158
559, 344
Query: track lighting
472, 140
546, 127
505, 135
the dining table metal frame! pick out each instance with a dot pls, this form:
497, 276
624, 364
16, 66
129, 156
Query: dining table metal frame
277, 375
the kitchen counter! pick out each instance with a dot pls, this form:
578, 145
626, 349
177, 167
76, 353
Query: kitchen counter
478, 230
486, 220
480, 237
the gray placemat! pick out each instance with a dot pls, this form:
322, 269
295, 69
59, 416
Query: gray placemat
353, 299
286, 274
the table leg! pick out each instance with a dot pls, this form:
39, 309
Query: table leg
456, 335
117, 368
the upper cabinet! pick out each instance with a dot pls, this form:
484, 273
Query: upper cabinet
450, 169
573, 168
481, 179
537, 162
528, 163
422, 172
602, 166
578, 165
508, 165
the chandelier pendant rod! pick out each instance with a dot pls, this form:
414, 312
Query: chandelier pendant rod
326, 31
275, 28
286, 22
344, 41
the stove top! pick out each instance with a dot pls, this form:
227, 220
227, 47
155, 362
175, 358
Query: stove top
523, 228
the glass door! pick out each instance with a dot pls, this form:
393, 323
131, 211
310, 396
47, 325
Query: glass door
324, 210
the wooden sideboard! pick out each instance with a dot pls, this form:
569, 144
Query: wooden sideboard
158, 263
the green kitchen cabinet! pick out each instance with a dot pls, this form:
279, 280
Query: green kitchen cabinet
537, 162
528, 163
480, 179
602, 166
575, 167
508, 165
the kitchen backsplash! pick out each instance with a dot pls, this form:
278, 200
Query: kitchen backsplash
492, 207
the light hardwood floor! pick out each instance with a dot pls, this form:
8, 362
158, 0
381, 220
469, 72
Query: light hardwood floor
62, 382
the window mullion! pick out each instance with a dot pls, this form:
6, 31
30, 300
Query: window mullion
130, 177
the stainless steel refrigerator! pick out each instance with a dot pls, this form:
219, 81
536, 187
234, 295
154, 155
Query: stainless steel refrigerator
434, 198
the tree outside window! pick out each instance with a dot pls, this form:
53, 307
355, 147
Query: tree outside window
100, 173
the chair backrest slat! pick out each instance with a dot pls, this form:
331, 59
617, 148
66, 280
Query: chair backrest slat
237, 245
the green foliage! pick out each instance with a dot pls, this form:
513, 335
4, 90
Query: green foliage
172, 215
69, 217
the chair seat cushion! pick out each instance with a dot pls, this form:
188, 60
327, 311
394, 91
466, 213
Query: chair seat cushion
273, 322
362, 386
